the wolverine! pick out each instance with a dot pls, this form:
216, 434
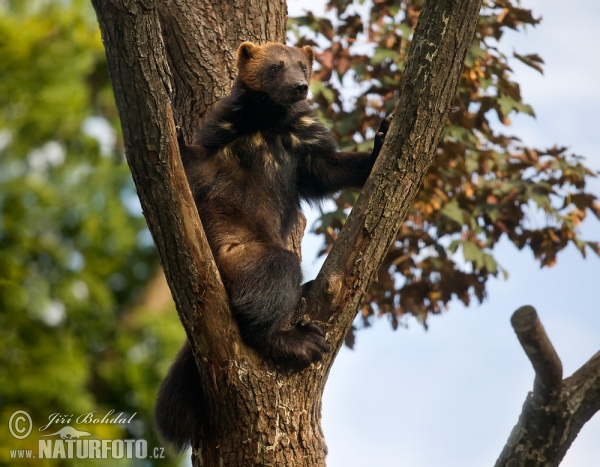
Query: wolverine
259, 153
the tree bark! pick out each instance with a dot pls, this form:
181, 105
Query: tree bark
171, 62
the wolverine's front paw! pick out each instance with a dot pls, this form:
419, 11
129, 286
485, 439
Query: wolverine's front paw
299, 346
380, 136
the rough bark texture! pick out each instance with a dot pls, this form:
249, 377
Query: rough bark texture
556, 410
178, 61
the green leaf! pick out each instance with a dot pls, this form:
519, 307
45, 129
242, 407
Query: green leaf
460, 134
490, 263
453, 211
508, 104
405, 30
472, 253
453, 247
475, 52
485, 83
382, 54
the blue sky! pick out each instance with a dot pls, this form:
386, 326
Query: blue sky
450, 396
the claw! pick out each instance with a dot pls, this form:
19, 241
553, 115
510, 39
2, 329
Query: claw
380, 135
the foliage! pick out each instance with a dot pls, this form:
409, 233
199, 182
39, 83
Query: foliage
484, 185
74, 249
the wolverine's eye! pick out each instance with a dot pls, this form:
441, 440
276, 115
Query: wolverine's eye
302, 67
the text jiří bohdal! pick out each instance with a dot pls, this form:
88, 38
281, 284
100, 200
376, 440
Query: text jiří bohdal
93, 418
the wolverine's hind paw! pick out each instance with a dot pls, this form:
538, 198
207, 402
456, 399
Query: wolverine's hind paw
299, 346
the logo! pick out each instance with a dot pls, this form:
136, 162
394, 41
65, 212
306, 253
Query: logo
69, 432
72, 443
20, 424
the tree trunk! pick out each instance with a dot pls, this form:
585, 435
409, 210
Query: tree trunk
168, 64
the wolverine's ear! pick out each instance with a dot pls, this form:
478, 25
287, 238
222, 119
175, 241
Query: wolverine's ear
244, 53
249, 58
308, 52
310, 56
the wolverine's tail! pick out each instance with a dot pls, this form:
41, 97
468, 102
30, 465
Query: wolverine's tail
179, 409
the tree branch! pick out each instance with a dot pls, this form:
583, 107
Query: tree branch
541, 353
556, 410
441, 39
141, 80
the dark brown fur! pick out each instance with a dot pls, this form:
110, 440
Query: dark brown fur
260, 151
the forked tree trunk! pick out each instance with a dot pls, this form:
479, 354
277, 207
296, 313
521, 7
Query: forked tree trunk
168, 63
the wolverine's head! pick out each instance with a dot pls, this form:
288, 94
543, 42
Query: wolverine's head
281, 72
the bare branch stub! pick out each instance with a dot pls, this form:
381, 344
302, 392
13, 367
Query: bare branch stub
540, 351
556, 411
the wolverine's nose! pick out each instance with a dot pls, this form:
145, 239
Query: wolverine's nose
301, 88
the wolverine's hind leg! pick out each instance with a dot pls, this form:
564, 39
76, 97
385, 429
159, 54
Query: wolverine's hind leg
264, 286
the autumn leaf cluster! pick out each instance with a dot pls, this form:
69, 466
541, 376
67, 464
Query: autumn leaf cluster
485, 185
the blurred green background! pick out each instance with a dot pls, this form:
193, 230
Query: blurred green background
78, 331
